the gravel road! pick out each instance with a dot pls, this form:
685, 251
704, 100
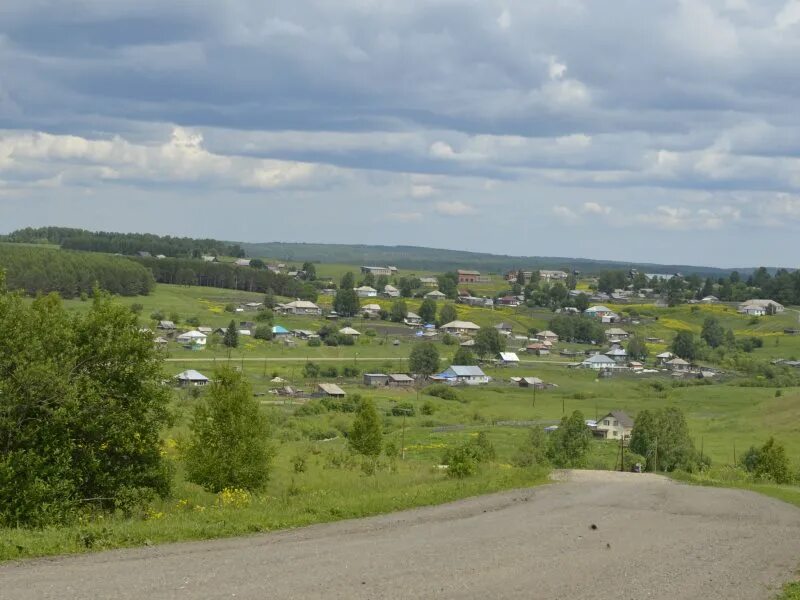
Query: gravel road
652, 538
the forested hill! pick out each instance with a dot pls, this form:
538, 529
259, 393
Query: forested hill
124, 243
434, 259
37, 270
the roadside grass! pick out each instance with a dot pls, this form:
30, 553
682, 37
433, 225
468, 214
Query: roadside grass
791, 591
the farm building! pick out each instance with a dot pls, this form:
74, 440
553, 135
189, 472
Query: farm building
753, 310
504, 327
375, 379
166, 326
412, 319
539, 349
678, 365
350, 332
770, 306
191, 378
547, 336
400, 380
599, 311
378, 271
530, 382
512, 301
435, 295
429, 282
462, 374
553, 275
508, 359
390, 291
468, 276
663, 358
330, 389
615, 333
618, 354
371, 310
279, 331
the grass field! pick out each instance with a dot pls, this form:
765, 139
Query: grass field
724, 418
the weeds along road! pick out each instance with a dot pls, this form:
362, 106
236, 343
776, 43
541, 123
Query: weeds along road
653, 538
323, 359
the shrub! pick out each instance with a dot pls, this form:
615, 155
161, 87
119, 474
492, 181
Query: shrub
311, 370
350, 371
263, 332
769, 462
137, 308
230, 307
366, 434
228, 445
314, 342
449, 340
463, 460
299, 463
193, 321
329, 371
404, 409
428, 408
157, 315
441, 390
534, 451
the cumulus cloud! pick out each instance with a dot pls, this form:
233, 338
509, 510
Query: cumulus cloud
565, 213
593, 208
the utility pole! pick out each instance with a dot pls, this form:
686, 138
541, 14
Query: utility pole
403, 438
622, 451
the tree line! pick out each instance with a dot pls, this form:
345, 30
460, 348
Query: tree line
124, 243
186, 271
71, 274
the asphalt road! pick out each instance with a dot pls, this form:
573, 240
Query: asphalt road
653, 539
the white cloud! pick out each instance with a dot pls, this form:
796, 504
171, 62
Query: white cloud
565, 213
454, 208
789, 15
593, 208
504, 20
419, 190
404, 217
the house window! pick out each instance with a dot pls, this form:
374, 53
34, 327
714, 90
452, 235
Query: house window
606, 422
615, 433
616, 423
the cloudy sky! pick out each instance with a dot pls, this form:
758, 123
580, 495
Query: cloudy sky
665, 131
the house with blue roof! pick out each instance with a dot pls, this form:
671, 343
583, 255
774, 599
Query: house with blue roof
279, 331
462, 374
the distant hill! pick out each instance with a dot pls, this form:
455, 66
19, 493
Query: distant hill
434, 259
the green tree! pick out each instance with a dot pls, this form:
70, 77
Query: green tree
448, 284
427, 311
569, 444
581, 302
82, 404
310, 270
713, 332
637, 348
663, 435
534, 451
399, 311
521, 278
424, 359
447, 314
345, 303
366, 433
489, 342
464, 356
769, 462
231, 339
228, 444
685, 346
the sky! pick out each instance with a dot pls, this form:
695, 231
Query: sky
660, 131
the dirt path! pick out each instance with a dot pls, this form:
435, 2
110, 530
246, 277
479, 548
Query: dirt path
653, 539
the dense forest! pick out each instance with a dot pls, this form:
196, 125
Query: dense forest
42, 270
184, 271
123, 243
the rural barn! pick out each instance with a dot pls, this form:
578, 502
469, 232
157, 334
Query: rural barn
191, 378
331, 389
375, 379
400, 380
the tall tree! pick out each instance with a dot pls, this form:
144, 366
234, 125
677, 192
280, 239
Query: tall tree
228, 443
521, 278
309, 269
345, 303
427, 311
569, 444
398, 312
231, 339
489, 342
685, 346
713, 332
663, 435
637, 348
424, 359
447, 314
366, 434
464, 356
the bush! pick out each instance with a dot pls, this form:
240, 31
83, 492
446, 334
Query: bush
463, 460
137, 308
311, 370
157, 315
428, 408
265, 315
263, 332
441, 390
403, 409
449, 340
193, 321
769, 462
228, 445
350, 371
314, 342
366, 434
534, 451
329, 371
230, 307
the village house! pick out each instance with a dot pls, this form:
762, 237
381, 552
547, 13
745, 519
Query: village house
663, 358
435, 295
302, 307
709, 300
390, 291
191, 378
429, 282
678, 365
366, 291
615, 425
462, 374
193, 338
598, 312
770, 306
547, 336
598, 362
512, 301
539, 348
504, 328
412, 319
280, 332
529, 382
242, 262
460, 327
752, 310
166, 326
468, 276
371, 310
349, 331
618, 354
615, 334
